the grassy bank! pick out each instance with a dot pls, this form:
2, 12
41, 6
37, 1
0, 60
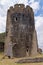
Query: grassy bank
7, 61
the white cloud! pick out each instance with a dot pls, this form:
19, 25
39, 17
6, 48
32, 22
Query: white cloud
23, 1
8, 3
39, 21
31, 1
2, 24
35, 6
3, 2
39, 29
2, 11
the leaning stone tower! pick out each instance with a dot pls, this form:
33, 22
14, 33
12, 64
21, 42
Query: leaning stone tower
21, 37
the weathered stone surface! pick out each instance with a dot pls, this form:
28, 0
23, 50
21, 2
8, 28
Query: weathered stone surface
31, 60
20, 32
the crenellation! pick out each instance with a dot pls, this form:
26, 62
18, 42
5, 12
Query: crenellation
11, 10
19, 6
8, 11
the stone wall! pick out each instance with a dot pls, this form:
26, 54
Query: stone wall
20, 28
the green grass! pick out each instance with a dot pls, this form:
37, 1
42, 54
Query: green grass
7, 61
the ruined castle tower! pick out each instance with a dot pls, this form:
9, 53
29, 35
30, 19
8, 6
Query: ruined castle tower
21, 37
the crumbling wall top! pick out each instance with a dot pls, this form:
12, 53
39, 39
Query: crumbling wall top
20, 8
19, 5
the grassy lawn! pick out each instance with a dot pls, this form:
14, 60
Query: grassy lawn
7, 61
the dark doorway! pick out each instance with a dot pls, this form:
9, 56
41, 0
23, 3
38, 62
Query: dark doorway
27, 48
1, 46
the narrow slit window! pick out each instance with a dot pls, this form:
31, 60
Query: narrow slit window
15, 19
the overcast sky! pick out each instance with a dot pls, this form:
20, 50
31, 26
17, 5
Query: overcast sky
37, 6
